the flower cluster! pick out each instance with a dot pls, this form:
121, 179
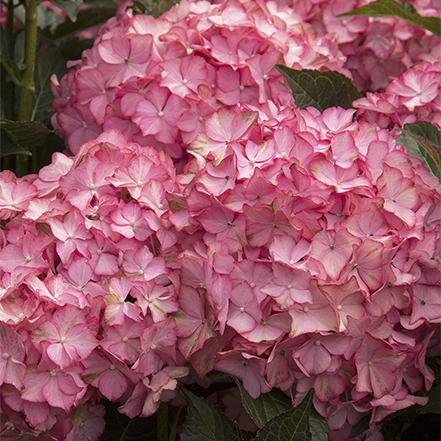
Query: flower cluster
296, 249
84, 295
376, 50
415, 96
157, 80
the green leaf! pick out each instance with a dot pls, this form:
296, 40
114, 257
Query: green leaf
289, 426
48, 18
70, 7
19, 51
99, 3
87, 18
266, 406
318, 426
360, 427
216, 376
49, 60
9, 147
425, 428
434, 403
26, 134
312, 88
241, 435
163, 6
205, 421
392, 429
73, 48
391, 8
423, 140
120, 427
144, 6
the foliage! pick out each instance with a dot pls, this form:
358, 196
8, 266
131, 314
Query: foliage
423, 141
311, 88
391, 8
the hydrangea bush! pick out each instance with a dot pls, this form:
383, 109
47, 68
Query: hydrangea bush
201, 223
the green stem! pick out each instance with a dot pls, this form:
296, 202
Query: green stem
162, 422
10, 71
27, 84
27, 88
9, 25
174, 424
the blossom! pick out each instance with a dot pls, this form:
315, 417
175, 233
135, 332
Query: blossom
12, 368
124, 57
248, 368
334, 249
48, 383
64, 338
108, 374
377, 366
221, 130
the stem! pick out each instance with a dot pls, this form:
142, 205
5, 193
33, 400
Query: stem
162, 422
11, 74
27, 88
174, 425
9, 25
27, 84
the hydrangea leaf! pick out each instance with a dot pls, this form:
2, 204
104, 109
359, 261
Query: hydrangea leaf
120, 427
423, 140
312, 88
26, 134
144, 7
266, 406
205, 421
86, 19
47, 18
9, 147
391, 8
49, 60
360, 427
289, 426
70, 7
318, 426
163, 7
241, 435
434, 403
